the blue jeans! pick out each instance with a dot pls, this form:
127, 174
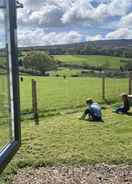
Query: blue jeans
121, 110
92, 116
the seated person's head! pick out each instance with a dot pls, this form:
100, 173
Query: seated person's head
89, 101
124, 96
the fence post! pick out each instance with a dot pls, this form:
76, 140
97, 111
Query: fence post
103, 86
34, 101
130, 83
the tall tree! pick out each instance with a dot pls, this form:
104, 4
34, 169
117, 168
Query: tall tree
39, 61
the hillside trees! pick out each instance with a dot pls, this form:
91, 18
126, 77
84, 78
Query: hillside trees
39, 61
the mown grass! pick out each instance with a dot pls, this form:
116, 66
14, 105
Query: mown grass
66, 140
57, 93
4, 111
4, 134
94, 60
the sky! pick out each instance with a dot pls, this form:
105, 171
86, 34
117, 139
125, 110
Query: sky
49, 22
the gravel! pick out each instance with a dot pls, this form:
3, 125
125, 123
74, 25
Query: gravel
98, 174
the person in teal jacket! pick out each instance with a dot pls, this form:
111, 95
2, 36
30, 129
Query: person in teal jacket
93, 111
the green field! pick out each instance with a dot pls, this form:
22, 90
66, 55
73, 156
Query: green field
56, 94
94, 60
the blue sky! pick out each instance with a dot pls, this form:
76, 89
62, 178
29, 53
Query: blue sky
49, 22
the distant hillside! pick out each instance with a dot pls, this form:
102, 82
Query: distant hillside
100, 43
122, 48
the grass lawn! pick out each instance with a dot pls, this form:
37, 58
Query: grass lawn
67, 140
94, 60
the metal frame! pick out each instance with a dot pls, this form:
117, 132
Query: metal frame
8, 152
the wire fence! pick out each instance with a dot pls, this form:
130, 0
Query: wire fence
55, 94
114, 87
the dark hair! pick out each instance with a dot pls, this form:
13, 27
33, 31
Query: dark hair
89, 101
126, 101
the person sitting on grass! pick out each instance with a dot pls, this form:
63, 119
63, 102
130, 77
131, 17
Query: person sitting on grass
93, 111
126, 104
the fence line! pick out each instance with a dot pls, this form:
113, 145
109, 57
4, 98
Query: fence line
55, 94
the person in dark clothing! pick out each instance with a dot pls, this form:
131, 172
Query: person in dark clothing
93, 111
126, 104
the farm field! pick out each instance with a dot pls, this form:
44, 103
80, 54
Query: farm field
66, 140
94, 60
56, 94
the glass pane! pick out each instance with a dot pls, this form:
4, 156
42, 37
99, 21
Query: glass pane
4, 90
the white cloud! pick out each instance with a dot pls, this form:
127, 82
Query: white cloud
82, 10
47, 16
60, 12
79, 10
42, 15
1, 17
2, 30
119, 7
126, 21
32, 4
122, 33
93, 38
40, 37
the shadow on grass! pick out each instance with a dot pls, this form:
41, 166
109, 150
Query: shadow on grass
129, 113
94, 121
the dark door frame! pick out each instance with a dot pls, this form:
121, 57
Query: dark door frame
9, 151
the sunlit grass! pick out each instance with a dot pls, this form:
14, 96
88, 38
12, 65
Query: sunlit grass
94, 60
66, 140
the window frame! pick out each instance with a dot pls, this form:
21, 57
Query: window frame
11, 148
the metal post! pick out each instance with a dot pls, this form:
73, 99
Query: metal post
130, 83
103, 86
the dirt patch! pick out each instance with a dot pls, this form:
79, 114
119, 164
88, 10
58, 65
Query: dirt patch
98, 174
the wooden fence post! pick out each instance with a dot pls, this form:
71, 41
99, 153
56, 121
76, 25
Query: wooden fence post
103, 86
130, 83
34, 101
